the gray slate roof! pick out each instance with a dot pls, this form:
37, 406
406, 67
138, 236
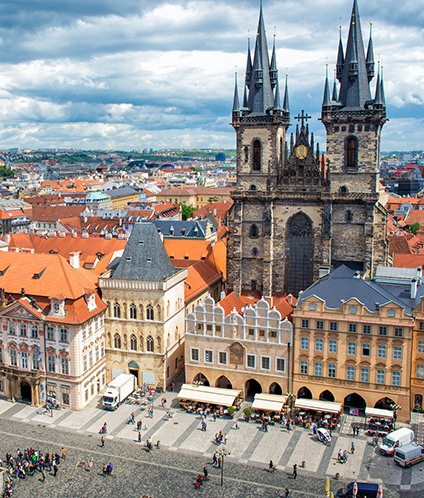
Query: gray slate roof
119, 192
191, 229
144, 257
341, 285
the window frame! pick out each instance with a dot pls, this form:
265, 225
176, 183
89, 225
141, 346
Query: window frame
206, 354
268, 359
192, 358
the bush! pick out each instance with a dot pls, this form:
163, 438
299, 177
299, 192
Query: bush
231, 410
247, 412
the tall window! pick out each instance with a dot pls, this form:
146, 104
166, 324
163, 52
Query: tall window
350, 373
133, 342
150, 315
253, 231
332, 346
116, 311
150, 344
35, 364
23, 329
133, 312
332, 370
365, 374
319, 344
51, 363
351, 348
64, 362
13, 357
256, 155
304, 343
304, 367
34, 331
251, 361
63, 335
318, 369
117, 341
396, 378
380, 376
50, 334
349, 217
24, 360
352, 147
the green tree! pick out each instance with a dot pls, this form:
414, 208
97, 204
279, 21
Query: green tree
214, 198
187, 211
415, 227
6, 172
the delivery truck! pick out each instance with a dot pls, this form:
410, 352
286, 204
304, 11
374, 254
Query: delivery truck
118, 391
409, 455
396, 439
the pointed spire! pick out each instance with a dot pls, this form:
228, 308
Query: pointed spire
377, 100
340, 58
312, 142
236, 104
277, 104
382, 92
245, 100
370, 57
286, 106
326, 102
334, 97
291, 142
248, 64
273, 67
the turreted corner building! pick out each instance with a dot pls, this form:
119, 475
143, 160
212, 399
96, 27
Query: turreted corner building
297, 213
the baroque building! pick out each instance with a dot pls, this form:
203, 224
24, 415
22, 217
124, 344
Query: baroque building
297, 213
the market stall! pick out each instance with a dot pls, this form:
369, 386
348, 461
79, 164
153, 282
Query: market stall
196, 398
269, 407
380, 422
323, 413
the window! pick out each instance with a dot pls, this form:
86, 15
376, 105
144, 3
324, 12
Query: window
273, 333
349, 216
421, 327
280, 364
420, 371
332, 348
365, 374
351, 348
133, 312
320, 325
90, 358
84, 361
65, 398
150, 344
23, 329
64, 363
133, 343
352, 310
304, 343
397, 353
11, 328
352, 327
333, 326
350, 373
208, 356
312, 306
305, 324
365, 349
253, 231
63, 335
149, 312
332, 370
13, 358
396, 378
256, 155
117, 341
261, 333
24, 360
351, 152
319, 344
382, 330
50, 334
34, 331
265, 362
194, 354
209, 327
253, 285
102, 350
97, 353
398, 332
251, 361
318, 369
391, 313
381, 351
35, 364
222, 357
86, 395
420, 346
366, 329
51, 363
251, 331
217, 328
304, 367
116, 311
380, 376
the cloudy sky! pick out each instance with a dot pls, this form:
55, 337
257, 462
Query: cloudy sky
130, 74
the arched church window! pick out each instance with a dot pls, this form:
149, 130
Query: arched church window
343, 190
133, 342
256, 155
349, 217
253, 187
133, 312
116, 311
352, 150
254, 252
253, 231
150, 313
150, 344
117, 341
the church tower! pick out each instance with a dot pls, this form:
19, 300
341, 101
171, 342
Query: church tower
353, 121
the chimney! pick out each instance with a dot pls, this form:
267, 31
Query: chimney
7, 238
413, 293
222, 295
74, 260
74, 235
85, 235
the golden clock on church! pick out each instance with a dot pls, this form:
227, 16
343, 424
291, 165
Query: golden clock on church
301, 151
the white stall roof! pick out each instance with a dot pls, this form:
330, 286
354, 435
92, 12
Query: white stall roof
206, 394
269, 402
378, 412
317, 405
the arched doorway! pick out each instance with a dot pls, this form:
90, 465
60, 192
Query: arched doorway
133, 369
385, 404
299, 235
275, 388
304, 392
223, 382
201, 379
354, 404
26, 394
252, 387
326, 396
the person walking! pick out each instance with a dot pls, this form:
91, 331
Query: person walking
295, 471
354, 431
63, 454
205, 473
110, 468
219, 462
287, 492
102, 440
43, 473
352, 448
237, 426
271, 466
139, 436
90, 465
214, 459
55, 469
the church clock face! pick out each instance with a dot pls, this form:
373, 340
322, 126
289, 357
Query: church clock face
301, 151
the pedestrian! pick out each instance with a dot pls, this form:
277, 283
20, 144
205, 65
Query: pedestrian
63, 454
110, 468
214, 459
102, 440
339, 454
90, 465
219, 462
271, 466
295, 471
43, 473
287, 490
172, 388
205, 473
54, 469
357, 431
104, 469
354, 431
352, 448
139, 436
237, 426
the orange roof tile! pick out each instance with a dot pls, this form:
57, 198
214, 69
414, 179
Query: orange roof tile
230, 302
408, 260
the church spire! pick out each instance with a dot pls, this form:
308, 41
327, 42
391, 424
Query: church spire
382, 92
261, 96
248, 64
245, 99
370, 57
354, 89
326, 102
236, 104
334, 97
286, 106
273, 68
340, 58
277, 104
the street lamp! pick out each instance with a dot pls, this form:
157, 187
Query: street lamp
222, 452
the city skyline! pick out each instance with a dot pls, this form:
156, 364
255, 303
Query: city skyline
131, 76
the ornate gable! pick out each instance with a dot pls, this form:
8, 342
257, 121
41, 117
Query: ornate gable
18, 310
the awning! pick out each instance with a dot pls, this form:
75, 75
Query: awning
378, 412
318, 405
269, 402
205, 394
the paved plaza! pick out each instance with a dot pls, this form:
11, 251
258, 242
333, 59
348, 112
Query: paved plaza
171, 470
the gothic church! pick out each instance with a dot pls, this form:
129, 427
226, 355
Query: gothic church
297, 213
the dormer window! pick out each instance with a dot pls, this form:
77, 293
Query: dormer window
57, 307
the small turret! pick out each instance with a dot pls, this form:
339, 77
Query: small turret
378, 103
236, 104
277, 104
286, 106
382, 92
340, 58
248, 65
326, 102
334, 96
273, 68
370, 58
353, 59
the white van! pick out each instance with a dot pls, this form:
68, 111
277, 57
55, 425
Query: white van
409, 454
396, 439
